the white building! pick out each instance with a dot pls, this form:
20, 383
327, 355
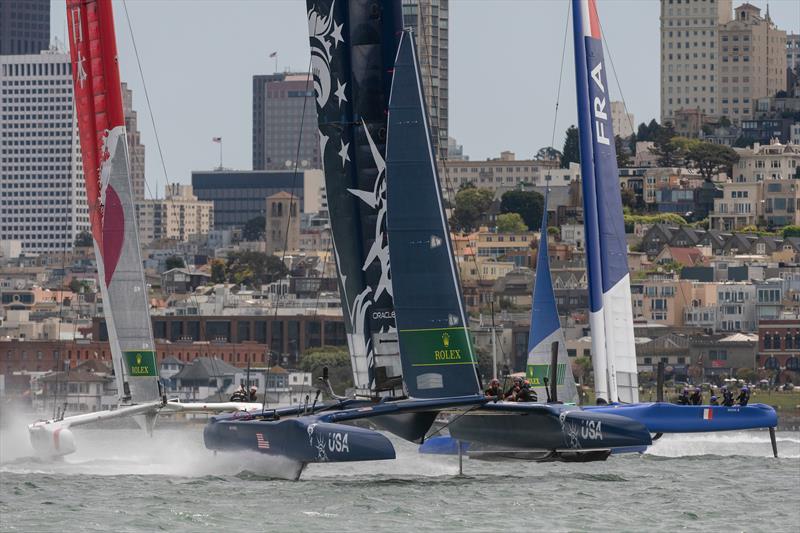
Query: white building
179, 216
42, 194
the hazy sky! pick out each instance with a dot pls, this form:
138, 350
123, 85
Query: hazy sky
199, 57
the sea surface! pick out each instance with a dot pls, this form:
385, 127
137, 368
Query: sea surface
122, 480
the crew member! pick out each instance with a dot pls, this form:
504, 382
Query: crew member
511, 395
696, 397
494, 390
526, 394
744, 396
713, 400
239, 395
253, 393
683, 399
727, 397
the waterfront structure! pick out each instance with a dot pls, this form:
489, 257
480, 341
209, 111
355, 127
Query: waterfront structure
135, 146
42, 196
430, 20
752, 62
24, 26
282, 223
240, 195
689, 55
179, 216
281, 104
622, 122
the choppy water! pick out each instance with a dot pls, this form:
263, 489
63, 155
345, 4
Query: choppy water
121, 480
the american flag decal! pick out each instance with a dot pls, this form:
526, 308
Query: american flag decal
263, 444
708, 414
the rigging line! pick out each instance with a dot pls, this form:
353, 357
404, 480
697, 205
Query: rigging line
59, 365
614, 71
456, 417
560, 76
146, 94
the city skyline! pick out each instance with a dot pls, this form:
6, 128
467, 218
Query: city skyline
485, 117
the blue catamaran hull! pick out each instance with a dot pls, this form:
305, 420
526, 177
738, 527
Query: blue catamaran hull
661, 417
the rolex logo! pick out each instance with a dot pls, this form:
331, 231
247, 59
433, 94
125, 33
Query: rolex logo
446, 339
138, 359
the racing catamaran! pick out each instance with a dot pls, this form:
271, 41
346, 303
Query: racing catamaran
611, 318
104, 150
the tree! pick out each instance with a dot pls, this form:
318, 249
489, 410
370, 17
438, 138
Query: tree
510, 223
174, 261
528, 204
217, 271
254, 268
572, 150
628, 197
548, 153
472, 204
582, 368
623, 159
554, 232
254, 229
83, 239
669, 152
791, 231
709, 158
336, 358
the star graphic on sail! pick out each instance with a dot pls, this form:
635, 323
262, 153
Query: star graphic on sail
339, 93
336, 34
343, 152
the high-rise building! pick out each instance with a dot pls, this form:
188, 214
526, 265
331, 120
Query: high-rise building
793, 52
135, 146
42, 194
281, 104
621, 121
752, 62
429, 20
689, 55
24, 26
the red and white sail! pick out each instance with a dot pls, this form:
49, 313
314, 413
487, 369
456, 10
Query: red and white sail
101, 123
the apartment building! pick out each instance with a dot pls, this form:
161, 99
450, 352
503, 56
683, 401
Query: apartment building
179, 216
752, 62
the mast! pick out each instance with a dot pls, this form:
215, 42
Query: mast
101, 124
611, 315
353, 45
435, 347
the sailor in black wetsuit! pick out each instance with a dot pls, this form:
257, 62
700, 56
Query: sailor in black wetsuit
697, 396
526, 394
511, 395
727, 397
744, 396
494, 390
239, 395
683, 399
713, 401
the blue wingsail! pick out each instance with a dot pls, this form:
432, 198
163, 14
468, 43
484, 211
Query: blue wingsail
546, 329
435, 348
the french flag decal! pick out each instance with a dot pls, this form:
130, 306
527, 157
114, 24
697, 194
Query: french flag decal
708, 414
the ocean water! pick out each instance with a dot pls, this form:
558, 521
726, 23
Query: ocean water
122, 480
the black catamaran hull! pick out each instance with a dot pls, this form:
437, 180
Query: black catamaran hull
548, 428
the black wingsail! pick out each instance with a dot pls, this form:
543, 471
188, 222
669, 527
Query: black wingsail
435, 348
353, 44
